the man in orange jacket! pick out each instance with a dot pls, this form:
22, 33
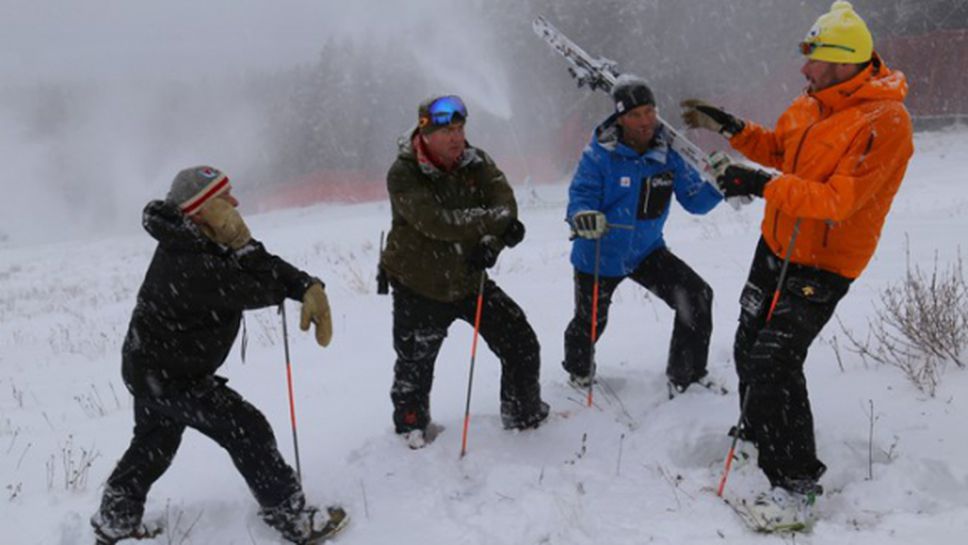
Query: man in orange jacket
841, 148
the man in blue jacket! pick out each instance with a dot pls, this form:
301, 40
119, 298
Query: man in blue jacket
626, 177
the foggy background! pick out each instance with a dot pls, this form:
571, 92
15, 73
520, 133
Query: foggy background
103, 101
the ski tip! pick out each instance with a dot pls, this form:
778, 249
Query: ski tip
541, 26
338, 521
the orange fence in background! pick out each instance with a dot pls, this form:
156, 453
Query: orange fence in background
358, 186
344, 186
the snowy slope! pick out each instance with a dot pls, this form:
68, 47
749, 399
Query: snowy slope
636, 469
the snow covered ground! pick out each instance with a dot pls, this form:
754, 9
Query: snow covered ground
636, 469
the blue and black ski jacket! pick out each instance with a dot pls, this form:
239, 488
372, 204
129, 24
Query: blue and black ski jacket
634, 190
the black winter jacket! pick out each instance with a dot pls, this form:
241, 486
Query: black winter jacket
191, 301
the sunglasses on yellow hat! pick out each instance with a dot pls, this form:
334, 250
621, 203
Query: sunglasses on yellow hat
807, 48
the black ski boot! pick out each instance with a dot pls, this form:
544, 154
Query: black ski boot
106, 533
513, 419
304, 525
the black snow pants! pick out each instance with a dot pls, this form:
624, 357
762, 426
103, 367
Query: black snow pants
419, 327
673, 281
769, 361
216, 411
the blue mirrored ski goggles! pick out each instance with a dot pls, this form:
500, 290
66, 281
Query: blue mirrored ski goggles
446, 110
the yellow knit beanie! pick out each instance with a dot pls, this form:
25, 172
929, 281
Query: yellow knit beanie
839, 35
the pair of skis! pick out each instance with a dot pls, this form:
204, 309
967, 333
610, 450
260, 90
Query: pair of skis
602, 73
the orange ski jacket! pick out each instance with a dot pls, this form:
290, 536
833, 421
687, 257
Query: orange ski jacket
842, 152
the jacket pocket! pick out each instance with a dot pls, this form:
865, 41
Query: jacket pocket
654, 196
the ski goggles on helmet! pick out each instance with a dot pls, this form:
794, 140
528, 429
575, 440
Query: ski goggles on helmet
443, 111
807, 48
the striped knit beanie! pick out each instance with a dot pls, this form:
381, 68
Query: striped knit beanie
193, 187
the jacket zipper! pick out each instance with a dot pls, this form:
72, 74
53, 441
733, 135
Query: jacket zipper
796, 156
826, 233
648, 195
796, 159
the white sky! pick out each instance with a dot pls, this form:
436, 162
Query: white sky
44, 38
108, 117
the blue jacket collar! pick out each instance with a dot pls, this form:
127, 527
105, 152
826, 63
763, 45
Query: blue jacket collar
607, 139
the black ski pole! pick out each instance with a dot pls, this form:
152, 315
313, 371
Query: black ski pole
746, 398
292, 402
470, 374
783, 271
594, 332
732, 447
595, 290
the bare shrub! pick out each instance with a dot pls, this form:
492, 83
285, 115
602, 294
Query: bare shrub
93, 405
357, 268
920, 324
177, 527
18, 395
75, 465
14, 490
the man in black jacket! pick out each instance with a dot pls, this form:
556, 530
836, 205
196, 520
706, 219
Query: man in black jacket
453, 213
205, 272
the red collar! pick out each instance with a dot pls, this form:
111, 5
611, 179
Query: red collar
424, 156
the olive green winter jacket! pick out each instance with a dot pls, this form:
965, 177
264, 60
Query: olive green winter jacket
439, 217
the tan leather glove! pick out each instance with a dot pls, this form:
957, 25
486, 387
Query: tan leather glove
698, 114
315, 309
221, 222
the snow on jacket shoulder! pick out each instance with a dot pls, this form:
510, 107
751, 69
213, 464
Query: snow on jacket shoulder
842, 152
190, 304
633, 190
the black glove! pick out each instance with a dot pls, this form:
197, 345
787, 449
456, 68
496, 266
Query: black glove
739, 181
483, 256
382, 281
698, 114
514, 234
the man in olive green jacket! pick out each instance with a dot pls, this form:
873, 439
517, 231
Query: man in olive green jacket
453, 212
